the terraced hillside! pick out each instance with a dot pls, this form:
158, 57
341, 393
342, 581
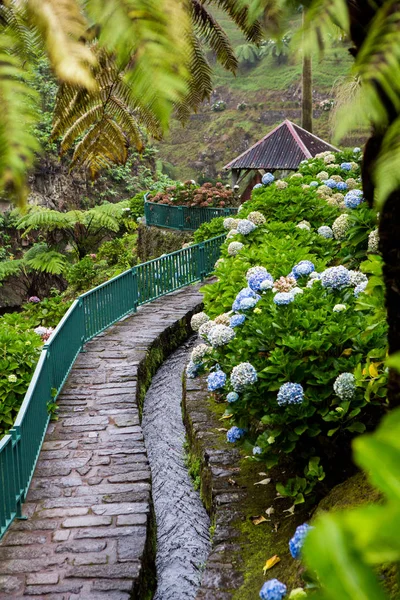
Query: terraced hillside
271, 91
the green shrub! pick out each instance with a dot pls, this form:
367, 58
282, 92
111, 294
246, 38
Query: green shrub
310, 341
47, 313
209, 230
19, 352
136, 204
81, 276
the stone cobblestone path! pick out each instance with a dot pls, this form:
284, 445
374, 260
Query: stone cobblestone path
87, 536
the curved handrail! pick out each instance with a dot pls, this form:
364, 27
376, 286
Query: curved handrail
90, 314
184, 218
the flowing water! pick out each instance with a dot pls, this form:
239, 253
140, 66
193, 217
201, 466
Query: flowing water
183, 538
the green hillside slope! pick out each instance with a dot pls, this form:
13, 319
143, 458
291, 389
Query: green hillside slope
271, 91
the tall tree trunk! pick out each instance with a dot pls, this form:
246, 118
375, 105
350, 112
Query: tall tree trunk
389, 246
306, 91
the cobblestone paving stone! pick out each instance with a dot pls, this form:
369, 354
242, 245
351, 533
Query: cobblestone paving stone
88, 506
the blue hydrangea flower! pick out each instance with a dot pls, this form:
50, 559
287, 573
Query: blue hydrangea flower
216, 380
325, 231
244, 293
304, 267
273, 590
283, 298
248, 303
360, 288
255, 277
345, 386
330, 183
314, 184
356, 150
236, 320
257, 450
346, 166
335, 278
232, 397
341, 186
243, 375
353, 199
234, 434
245, 226
290, 393
191, 370
297, 542
257, 186
267, 179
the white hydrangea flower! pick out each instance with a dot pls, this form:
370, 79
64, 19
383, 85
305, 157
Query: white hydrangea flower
356, 278
340, 226
329, 158
230, 223
322, 176
205, 329
297, 176
199, 352
373, 241
325, 231
324, 190
351, 183
297, 290
234, 248
223, 319
304, 225
220, 335
256, 217
336, 178
243, 375
345, 386
231, 233
198, 319
339, 308
218, 263
280, 184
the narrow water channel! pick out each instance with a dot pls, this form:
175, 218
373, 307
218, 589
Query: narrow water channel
183, 539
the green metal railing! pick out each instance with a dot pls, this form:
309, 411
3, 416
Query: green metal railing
89, 315
182, 217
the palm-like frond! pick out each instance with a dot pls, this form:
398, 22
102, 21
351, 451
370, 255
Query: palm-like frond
148, 38
240, 15
10, 268
19, 111
62, 27
43, 218
42, 259
105, 121
206, 26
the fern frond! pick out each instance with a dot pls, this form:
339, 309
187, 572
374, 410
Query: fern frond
97, 219
41, 258
321, 22
10, 268
104, 145
200, 82
148, 38
240, 15
43, 218
19, 111
212, 33
62, 27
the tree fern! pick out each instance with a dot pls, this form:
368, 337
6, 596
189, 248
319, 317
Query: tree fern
41, 258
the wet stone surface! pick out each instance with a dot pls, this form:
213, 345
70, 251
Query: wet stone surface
183, 537
222, 575
88, 507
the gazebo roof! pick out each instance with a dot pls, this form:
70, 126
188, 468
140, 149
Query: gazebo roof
282, 148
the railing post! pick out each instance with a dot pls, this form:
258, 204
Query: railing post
181, 218
135, 289
17, 470
201, 263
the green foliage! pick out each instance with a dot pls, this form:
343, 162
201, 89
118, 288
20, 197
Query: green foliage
136, 204
46, 313
41, 258
209, 230
81, 276
345, 548
19, 352
308, 341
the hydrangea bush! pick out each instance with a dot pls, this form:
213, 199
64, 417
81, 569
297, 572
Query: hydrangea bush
299, 364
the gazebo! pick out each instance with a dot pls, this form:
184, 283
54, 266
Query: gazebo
281, 149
